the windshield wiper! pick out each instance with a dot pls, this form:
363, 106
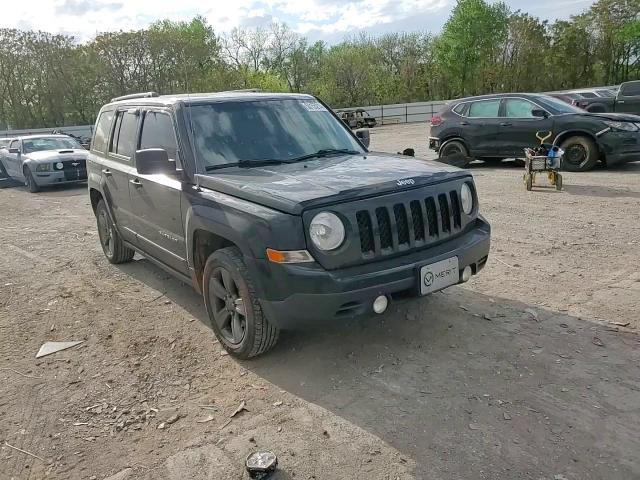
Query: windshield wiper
246, 164
324, 152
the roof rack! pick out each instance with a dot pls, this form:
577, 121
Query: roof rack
244, 90
136, 95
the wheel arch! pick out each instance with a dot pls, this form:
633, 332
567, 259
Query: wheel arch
562, 136
203, 244
455, 137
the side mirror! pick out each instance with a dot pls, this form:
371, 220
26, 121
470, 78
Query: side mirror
363, 135
154, 160
536, 112
14, 150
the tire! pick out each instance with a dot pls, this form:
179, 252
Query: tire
226, 275
455, 153
29, 181
580, 154
528, 181
112, 245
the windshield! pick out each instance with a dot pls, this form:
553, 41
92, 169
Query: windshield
557, 106
265, 130
49, 143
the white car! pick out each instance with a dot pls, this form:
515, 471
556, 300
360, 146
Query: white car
42, 160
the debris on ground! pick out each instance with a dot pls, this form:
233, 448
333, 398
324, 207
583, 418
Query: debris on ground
206, 419
241, 407
597, 341
474, 426
277, 404
506, 416
48, 348
532, 312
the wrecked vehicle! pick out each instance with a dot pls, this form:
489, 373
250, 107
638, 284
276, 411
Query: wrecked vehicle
275, 211
358, 118
44, 160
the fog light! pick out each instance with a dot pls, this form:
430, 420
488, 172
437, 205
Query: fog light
59, 165
466, 273
260, 465
380, 304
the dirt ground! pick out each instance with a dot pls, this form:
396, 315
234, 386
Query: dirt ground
526, 372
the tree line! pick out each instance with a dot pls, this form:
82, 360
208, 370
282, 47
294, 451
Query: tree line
49, 80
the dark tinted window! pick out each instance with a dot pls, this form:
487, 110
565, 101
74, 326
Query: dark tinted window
101, 135
124, 134
605, 93
461, 109
557, 106
519, 108
485, 109
588, 95
157, 132
630, 89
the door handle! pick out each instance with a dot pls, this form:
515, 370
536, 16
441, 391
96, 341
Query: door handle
505, 124
464, 123
106, 172
135, 182
620, 101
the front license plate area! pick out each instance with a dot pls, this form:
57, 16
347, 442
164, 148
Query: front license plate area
439, 275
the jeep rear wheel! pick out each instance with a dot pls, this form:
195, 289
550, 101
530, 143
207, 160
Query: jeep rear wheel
580, 154
233, 308
112, 245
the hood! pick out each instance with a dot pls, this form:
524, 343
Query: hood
58, 155
616, 117
291, 188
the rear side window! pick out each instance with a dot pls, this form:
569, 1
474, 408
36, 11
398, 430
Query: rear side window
588, 95
157, 132
15, 144
124, 134
101, 135
631, 89
485, 109
519, 108
461, 109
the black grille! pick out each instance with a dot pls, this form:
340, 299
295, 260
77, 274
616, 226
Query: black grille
418, 221
444, 212
432, 219
401, 223
455, 207
69, 165
366, 231
432, 216
384, 227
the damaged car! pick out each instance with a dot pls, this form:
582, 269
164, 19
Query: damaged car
45, 160
495, 127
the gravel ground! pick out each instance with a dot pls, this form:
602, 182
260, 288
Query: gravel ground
526, 372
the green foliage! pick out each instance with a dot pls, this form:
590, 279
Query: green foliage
51, 80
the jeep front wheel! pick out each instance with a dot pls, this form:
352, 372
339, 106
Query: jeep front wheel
233, 308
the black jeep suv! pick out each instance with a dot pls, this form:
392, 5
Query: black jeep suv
275, 211
493, 127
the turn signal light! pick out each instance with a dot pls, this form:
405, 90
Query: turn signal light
289, 256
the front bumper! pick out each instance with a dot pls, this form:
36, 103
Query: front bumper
434, 143
295, 296
620, 147
60, 176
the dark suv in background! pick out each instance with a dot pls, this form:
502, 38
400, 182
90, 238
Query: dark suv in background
275, 211
494, 127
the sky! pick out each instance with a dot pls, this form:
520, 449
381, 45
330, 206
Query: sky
328, 20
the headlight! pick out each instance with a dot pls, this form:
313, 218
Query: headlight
327, 231
466, 197
43, 167
626, 126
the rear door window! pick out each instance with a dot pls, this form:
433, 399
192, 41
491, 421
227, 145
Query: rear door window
630, 89
461, 109
157, 132
101, 135
519, 108
485, 109
124, 134
15, 144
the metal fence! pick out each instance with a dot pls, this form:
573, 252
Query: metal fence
384, 114
77, 130
401, 112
